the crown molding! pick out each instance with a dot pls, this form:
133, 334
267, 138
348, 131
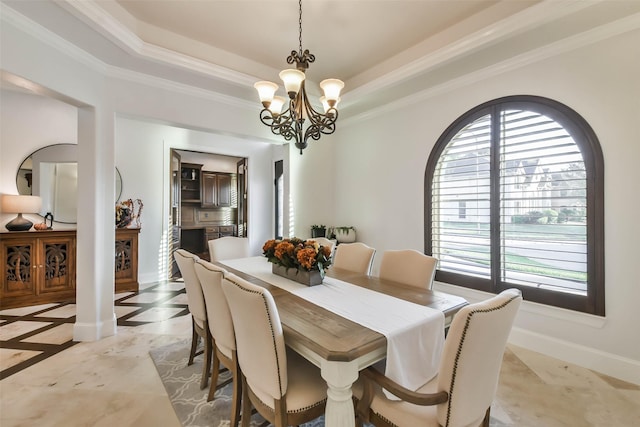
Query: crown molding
109, 26
37, 31
594, 35
33, 29
173, 86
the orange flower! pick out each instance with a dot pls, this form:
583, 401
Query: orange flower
269, 245
307, 257
297, 253
284, 248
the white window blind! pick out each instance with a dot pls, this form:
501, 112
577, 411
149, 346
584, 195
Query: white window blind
542, 191
462, 242
542, 204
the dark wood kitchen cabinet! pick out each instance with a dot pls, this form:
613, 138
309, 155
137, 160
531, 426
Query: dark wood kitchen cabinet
216, 190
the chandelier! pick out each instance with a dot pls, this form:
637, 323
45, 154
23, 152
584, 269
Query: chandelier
291, 123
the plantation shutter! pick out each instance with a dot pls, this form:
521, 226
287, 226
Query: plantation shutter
542, 204
460, 202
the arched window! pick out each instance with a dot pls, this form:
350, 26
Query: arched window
514, 197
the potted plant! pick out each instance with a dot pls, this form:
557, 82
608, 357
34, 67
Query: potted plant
318, 230
345, 234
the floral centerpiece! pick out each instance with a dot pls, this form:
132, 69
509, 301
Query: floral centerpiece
304, 261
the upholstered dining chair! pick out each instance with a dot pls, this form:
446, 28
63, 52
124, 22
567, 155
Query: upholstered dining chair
323, 241
409, 267
222, 333
356, 257
228, 247
195, 300
463, 390
284, 388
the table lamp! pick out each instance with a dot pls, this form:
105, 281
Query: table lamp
20, 204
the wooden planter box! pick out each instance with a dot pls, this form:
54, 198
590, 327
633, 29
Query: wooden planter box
308, 278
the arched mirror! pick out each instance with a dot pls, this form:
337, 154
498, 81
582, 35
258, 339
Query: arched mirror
52, 173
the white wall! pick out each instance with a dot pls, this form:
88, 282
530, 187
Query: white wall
142, 156
312, 186
29, 122
379, 187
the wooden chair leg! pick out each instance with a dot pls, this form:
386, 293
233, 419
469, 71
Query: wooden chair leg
487, 418
246, 404
237, 391
215, 371
194, 342
206, 368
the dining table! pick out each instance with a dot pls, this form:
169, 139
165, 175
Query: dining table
339, 346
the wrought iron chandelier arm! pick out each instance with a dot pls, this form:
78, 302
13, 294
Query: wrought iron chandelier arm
281, 124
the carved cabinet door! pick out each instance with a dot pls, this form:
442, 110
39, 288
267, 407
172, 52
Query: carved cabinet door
56, 269
19, 273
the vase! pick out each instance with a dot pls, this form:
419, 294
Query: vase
308, 278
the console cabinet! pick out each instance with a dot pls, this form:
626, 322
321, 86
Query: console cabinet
127, 259
39, 267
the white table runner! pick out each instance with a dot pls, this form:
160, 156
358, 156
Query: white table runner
415, 334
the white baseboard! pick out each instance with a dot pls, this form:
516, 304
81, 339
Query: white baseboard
95, 331
606, 363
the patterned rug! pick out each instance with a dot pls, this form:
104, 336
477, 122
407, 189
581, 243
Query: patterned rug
182, 383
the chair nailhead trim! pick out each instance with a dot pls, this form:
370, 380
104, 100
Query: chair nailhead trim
273, 335
459, 351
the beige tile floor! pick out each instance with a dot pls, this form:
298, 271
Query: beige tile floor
113, 382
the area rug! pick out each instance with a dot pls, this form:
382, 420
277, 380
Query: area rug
182, 383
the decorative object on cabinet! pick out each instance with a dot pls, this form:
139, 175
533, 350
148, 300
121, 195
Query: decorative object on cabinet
20, 204
318, 230
51, 173
190, 174
123, 215
41, 226
294, 258
49, 217
345, 234
128, 213
40, 267
126, 257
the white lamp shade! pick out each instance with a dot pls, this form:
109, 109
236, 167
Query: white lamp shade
21, 204
276, 105
332, 88
292, 80
266, 91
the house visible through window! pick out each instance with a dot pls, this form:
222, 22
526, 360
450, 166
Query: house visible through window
514, 199
462, 209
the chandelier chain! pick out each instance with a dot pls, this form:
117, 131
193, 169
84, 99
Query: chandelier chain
300, 26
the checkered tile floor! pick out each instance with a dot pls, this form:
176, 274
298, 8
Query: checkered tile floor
29, 335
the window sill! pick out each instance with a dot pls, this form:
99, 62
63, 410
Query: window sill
472, 295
